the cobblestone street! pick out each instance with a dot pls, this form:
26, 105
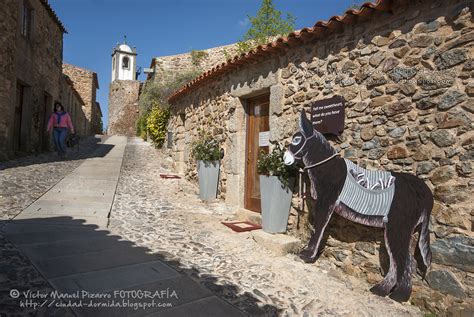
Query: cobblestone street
166, 217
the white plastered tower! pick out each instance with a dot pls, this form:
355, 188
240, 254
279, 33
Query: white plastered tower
124, 62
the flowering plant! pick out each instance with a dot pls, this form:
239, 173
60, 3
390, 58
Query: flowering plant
206, 148
272, 164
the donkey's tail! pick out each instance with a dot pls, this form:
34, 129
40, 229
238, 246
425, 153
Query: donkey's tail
424, 242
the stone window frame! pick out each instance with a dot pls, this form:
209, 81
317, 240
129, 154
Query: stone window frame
125, 65
26, 20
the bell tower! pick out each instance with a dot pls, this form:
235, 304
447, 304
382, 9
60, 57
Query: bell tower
124, 91
124, 62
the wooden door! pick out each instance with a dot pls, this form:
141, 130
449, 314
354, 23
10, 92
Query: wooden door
257, 125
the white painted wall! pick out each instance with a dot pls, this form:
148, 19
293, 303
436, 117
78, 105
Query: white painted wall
124, 73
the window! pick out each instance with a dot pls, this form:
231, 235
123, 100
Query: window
27, 17
126, 63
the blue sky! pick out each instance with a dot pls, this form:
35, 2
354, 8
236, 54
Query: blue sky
165, 27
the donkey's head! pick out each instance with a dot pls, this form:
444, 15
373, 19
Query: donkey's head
305, 141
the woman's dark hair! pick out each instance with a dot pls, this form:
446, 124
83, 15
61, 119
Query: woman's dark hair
57, 103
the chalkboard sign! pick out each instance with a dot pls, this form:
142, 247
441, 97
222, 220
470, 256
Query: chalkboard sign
327, 115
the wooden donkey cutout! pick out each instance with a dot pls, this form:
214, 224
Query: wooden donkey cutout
408, 202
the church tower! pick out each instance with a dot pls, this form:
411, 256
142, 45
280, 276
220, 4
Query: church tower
124, 91
124, 62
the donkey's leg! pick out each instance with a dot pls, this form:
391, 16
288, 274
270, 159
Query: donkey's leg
423, 248
400, 242
309, 254
384, 287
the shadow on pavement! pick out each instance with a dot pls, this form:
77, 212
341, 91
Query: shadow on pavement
100, 274
88, 148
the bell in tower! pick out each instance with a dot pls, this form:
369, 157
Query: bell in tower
124, 62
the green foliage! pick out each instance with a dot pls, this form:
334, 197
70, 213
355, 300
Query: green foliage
157, 92
198, 56
272, 164
206, 148
141, 126
154, 107
156, 125
265, 25
227, 55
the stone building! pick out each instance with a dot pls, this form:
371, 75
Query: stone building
165, 68
405, 71
31, 49
73, 103
86, 84
124, 91
98, 114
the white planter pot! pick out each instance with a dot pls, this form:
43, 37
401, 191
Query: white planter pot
276, 201
208, 174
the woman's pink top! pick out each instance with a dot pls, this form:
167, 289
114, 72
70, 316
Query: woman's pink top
60, 120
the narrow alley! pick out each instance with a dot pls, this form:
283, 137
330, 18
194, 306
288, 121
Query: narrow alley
153, 239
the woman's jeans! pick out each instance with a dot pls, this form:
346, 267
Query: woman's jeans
59, 135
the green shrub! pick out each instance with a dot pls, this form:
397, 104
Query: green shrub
141, 126
206, 148
272, 164
156, 125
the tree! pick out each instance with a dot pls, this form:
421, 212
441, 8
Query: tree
266, 24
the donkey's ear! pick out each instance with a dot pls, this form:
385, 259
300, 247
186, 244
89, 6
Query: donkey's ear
305, 125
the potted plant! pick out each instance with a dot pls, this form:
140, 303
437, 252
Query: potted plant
207, 153
276, 183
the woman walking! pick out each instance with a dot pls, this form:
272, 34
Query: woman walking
60, 121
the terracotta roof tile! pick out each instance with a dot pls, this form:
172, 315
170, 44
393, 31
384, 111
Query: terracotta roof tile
291, 39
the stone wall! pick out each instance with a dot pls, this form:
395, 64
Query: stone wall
407, 78
33, 63
8, 25
123, 107
171, 66
86, 84
74, 105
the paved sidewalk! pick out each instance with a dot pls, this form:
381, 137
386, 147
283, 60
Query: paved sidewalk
63, 234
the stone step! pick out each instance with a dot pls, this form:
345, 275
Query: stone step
278, 244
243, 214
67, 207
33, 233
93, 261
97, 223
187, 291
209, 306
118, 278
70, 247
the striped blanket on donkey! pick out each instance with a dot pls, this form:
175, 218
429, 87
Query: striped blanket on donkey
367, 192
